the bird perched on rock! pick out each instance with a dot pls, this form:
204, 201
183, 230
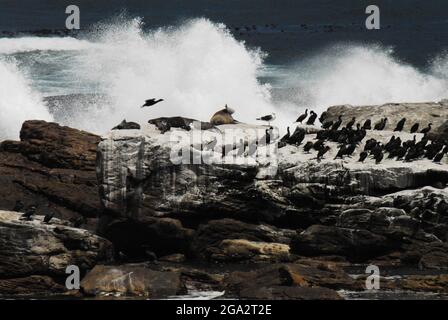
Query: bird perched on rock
312, 118
378, 157
297, 136
322, 117
18, 207
307, 147
327, 124
322, 152
48, 217
400, 125
438, 157
350, 124
29, 212
337, 124
286, 137
302, 116
362, 156
151, 102
267, 118
414, 128
381, 124
367, 125
427, 129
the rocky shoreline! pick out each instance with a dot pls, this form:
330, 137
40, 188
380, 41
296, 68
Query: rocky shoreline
284, 226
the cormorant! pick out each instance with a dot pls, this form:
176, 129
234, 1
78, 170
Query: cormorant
321, 152
307, 147
378, 157
350, 124
18, 206
312, 118
327, 124
438, 157
400, 125
337, 124
362, 156
48, 217
302, 116
414, 128
29, 212
427, 129
381, 125
341, 152
151, 102
367, 125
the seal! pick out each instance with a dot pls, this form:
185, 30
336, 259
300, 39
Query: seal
223, 116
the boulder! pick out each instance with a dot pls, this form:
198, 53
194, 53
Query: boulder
131, 280
36, 248
356, 244
230, 240
52, 167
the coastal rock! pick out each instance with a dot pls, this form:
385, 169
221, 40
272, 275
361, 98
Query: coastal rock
272, 281
36, 248
357, 244
52, 167
131, 280
232, 240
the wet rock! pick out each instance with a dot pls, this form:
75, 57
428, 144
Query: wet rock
131, 280
35, 248
288, 293
214, 241
31, 285
175, 257
125, 125
355, 244
52, 167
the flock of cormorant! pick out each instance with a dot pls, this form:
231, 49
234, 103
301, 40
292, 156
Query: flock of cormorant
349, 138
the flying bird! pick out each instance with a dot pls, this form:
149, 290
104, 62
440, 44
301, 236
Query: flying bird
151, 102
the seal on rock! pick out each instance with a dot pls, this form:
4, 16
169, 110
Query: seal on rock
223, 116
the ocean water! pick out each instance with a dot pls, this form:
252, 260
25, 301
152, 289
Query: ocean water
256, 56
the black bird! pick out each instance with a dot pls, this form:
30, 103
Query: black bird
18, 206
362, 156
322, 117
327, 124
341, 152
307, 147
409, 143
286, 137
312, 118
400, 125
427, 129
319, 144
414, 128
151, 102
79, 222
378, 157
381, 125
438, 157
48, 217
321, 152
350, 124
350, 149
297, 136
29, 212
337, 124
367, 125
302, 116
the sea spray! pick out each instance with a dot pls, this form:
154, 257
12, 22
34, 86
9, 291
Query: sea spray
18, 101
364, 75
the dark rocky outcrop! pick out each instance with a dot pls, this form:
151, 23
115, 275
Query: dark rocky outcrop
36, 254
52, 167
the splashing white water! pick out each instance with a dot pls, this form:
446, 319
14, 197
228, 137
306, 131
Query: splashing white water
365, 75
18, 101
27, 44
197, 68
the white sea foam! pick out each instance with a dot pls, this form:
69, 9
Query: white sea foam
18, 101
27, 44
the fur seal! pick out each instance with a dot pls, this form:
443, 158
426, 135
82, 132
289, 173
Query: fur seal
223, 116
